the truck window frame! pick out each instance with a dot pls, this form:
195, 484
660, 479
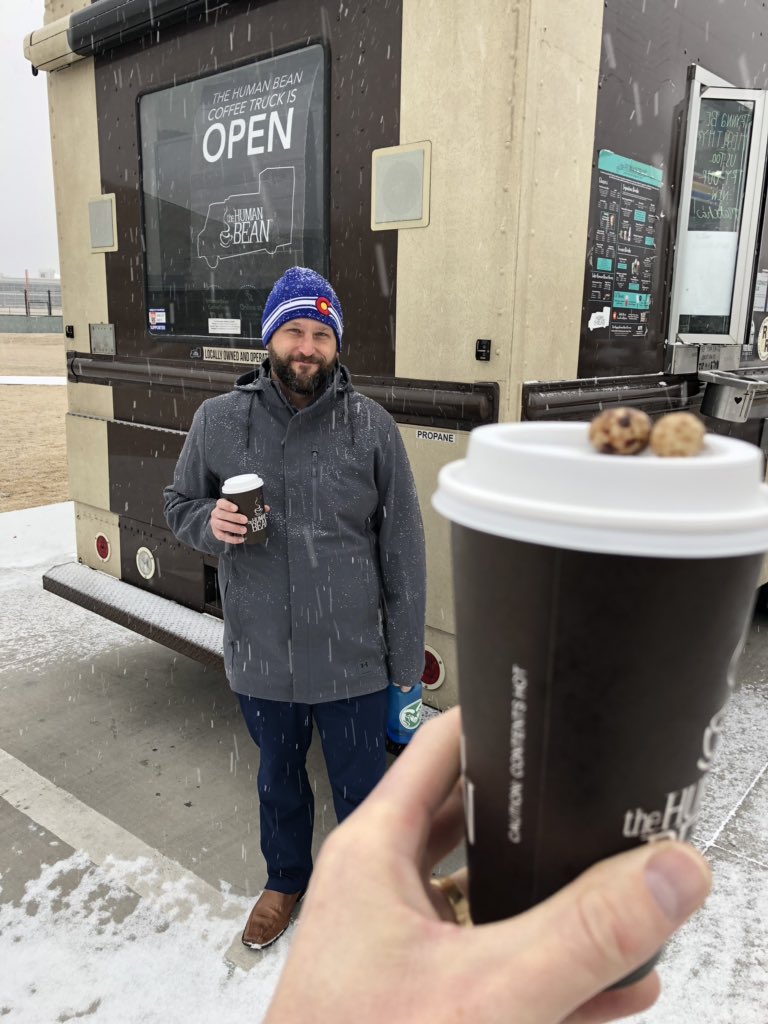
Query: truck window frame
239, 341
704, 85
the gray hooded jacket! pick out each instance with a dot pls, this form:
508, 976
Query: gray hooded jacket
333, 605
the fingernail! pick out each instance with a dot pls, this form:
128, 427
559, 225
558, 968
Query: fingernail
678, 881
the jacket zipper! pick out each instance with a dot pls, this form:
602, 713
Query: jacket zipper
314, 486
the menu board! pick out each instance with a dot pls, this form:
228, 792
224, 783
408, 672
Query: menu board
709, 249
624, 246
720, 165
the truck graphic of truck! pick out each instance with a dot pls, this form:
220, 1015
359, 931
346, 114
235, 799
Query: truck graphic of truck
259, 221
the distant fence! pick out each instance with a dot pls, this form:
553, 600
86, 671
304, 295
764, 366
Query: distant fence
10, 324
40, 297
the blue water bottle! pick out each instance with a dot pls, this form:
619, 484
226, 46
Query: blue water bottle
403, 716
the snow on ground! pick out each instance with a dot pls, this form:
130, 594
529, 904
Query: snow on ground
66, 954
32, 540
37, 537
81, 944
715, 970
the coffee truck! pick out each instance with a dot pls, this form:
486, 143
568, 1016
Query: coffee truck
529, 210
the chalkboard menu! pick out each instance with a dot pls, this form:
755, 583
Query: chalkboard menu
710, 250
720, 165
235, 192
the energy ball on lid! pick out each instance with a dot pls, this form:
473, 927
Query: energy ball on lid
678, 434
620, 431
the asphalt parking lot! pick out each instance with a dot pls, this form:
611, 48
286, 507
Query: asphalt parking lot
127, 795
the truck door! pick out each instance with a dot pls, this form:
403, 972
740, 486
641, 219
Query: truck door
720, 201
718, 295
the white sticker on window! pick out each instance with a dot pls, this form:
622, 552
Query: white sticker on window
220, 325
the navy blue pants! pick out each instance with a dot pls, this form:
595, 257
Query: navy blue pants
353, 736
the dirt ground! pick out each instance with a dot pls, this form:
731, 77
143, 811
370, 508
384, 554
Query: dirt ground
33, 456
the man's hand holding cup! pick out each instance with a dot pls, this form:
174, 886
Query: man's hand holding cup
240, 495
227, 522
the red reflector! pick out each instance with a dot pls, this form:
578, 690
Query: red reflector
434, 669
102, 547
431, 671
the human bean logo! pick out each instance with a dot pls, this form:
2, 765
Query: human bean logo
710, 741
250, 222
681, 808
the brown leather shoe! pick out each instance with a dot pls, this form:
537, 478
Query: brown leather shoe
269, 918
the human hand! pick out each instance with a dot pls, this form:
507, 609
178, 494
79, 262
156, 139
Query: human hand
228, 524
376, 942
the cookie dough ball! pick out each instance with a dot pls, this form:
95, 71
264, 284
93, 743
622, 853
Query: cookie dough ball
678, 433
621, 431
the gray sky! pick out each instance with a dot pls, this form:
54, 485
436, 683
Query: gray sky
27, 210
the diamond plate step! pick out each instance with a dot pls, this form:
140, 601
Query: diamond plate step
194, 634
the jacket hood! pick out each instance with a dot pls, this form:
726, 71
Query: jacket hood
254, 381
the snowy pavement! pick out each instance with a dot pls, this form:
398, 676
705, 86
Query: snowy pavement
130, 856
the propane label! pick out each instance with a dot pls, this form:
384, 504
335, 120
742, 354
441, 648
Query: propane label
447, 436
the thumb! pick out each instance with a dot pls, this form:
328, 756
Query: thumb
607, 923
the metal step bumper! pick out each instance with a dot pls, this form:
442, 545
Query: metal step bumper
194, 634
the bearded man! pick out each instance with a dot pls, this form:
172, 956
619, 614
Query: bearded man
324, 615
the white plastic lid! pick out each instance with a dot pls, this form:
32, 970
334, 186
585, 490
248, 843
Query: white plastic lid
544, 483
239, 484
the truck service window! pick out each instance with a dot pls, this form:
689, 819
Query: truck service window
234, 192
715, 214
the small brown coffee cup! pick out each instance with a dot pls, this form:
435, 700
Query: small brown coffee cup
247, 492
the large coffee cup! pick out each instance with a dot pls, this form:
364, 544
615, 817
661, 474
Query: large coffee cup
601, 605
247, 492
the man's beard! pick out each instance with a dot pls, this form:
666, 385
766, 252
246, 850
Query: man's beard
313, 384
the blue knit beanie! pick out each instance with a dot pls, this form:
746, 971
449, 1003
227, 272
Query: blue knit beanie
301, 292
